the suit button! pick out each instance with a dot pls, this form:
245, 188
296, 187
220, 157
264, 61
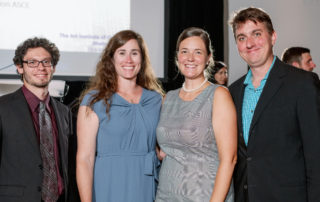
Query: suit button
39, 189
241, 134
245, 186
249, 158
41, 166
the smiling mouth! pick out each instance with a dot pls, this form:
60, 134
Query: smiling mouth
128, 68
41, 75
190, 66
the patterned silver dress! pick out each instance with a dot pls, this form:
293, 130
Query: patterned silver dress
186, 135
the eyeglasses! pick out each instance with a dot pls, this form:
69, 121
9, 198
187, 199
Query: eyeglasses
35, 63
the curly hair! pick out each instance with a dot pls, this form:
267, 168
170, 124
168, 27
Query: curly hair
35, 43
105, 79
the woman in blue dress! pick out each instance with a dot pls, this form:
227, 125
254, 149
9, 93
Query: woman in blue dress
117, 119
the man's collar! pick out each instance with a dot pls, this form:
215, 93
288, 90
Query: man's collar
248, 78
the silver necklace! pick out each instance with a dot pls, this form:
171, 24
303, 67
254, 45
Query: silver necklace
197, 88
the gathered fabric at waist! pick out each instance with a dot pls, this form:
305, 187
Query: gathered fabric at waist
123, 153
151, 162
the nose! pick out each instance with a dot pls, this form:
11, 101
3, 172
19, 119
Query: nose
190, 57
249, 42
129, 58
40, 66
313, 65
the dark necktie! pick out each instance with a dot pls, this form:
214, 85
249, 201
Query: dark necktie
49, 182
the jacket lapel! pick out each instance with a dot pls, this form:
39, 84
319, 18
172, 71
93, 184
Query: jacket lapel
22, 110
62, 137
271, 87
238, 99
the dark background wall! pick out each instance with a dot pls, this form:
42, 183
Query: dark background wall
181, 14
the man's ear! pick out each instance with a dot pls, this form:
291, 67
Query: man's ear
273, 37
19, 69
295, 64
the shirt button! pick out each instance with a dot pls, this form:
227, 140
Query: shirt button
251, 111
245, 186
241, 134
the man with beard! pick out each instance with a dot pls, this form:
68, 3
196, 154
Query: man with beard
299, 57
34, 130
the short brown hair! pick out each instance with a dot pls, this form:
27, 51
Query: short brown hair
253, 14
294, 54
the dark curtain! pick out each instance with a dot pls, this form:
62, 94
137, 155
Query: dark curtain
181, 14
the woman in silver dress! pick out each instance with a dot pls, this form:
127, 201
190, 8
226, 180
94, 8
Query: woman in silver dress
197, 131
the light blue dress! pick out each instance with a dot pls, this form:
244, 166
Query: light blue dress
126, 164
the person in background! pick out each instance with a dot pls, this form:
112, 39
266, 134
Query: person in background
299, 57
197, 131
117, 120
219, 73
278, 119
34, 131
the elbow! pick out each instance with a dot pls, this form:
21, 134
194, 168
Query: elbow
234, 160
229, 162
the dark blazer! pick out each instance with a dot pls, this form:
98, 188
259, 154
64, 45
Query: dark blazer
282, 159
20, 159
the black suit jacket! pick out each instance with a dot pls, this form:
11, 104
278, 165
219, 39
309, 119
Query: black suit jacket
20, 159
282, 159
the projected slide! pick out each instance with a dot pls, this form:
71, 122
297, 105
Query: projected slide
73, 25
80, 28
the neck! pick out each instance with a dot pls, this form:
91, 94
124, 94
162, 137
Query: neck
41, 93
127, 85
193, 85
258, 73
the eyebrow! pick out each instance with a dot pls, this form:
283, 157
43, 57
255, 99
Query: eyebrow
253, 31
197, 49
129, 50
48, 58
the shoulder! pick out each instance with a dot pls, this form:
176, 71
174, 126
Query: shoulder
237, 84
152, 96
298, 76
59, 105
173, 92
8, 98
221, 92
88, 97
152, 93
60, 108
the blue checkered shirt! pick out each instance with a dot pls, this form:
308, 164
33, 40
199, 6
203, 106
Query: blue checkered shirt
250, 100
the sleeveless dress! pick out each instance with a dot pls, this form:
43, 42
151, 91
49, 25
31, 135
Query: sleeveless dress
126, 164
186, 135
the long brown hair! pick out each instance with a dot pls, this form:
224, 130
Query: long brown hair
105, 79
